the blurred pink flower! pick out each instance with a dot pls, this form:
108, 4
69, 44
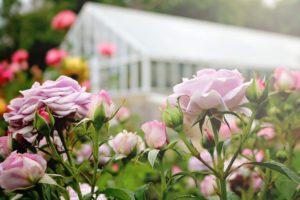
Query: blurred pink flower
176, 169
63, 20
64, 98
84, 153
258, 155
85, 190
20, 171
226, 132
55, 56
125, 142
5, 146
87, 85
210, 89
20, 56
96, 100
123, 114
267, 132
155, 134
285, 79
208, 185
196, 165
6, 73
106, 49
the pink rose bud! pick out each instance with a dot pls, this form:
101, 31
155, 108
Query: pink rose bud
257, 182
100, 107
125, 142
55, 56
106, 49
5, 146
172, 116
255, 90
226, 132
63, 20
267, 132
104, 154
208, 141
155, 134
44, 114
85, 190
20, 56
123, 114
284, 79
208, 185
218, 90
20, 171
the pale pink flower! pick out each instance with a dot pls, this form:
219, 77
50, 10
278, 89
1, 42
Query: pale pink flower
63, 20
85, 190
220, 90
55, 56
5, 146
267, 132
123, 114
258, 155
64, 98
20, 171
196, 165
226, 132
176, 169
6, 73
285, 79
155, 134
125, 142
208, 185
106, 49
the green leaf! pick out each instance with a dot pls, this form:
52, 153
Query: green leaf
190, 196
152, 155
281, 168
118, 193
46, 179
286, 192
140, 192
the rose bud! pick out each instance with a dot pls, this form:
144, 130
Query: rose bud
255, 90
227, 130
267, 132
123, 114
155, 134
54, 57
208, 141
20, 56
281, 156
125, 143
104, 154
100, 107
5, 146
21, 171
284, 79
43, 121
173, 117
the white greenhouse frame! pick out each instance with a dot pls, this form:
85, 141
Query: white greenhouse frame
136, 70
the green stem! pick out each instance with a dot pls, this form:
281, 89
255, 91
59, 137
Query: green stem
243, 140
223, 188
290, 151
196, 154
96, 160
162, 178
72, 169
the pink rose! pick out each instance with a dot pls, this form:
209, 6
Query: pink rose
104, 154
20, 56
226, 132
257, 155
285, 79
123, 114
55, 56
210, 89
84, 153
155, 134
96, 100
20, 171
208, 185
106, 49
257, 182
267, 132
64, 98
196, 165
5, 146
63, 20
176, 170
125, 142
6, 73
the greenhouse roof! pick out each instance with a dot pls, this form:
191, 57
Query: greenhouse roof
169, 37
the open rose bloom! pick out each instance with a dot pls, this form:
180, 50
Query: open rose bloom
64, 98
63, 20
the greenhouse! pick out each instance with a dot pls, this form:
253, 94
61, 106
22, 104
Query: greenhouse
153, 51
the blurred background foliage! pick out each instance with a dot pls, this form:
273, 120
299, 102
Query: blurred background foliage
32, 30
